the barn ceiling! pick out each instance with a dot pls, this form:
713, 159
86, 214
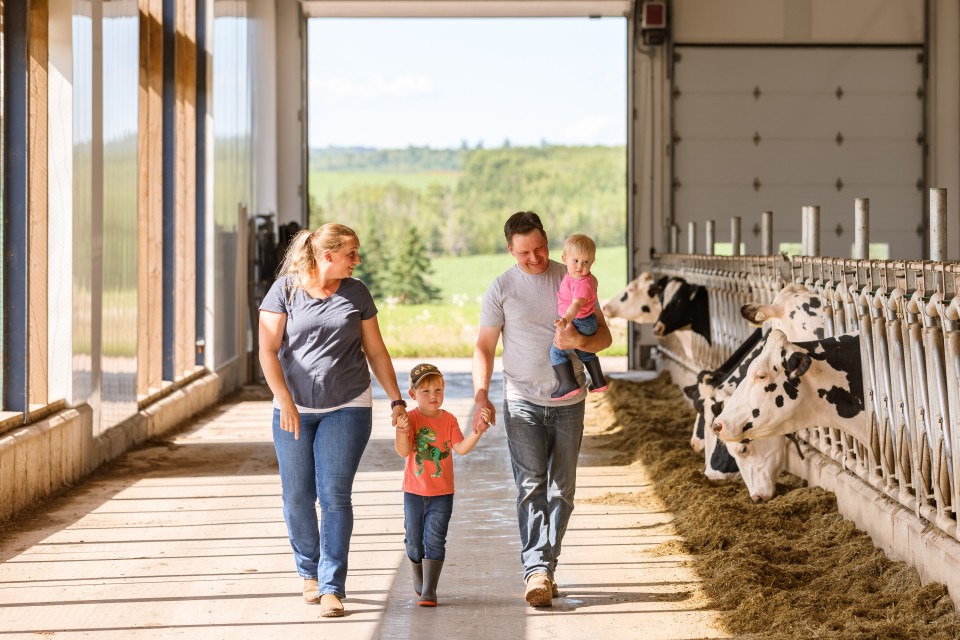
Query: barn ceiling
464, 8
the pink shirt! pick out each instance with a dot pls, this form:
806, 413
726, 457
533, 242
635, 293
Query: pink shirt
429, 470
571, 288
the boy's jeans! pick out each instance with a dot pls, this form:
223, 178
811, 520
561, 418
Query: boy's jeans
587, 327
425, 522
544, 445
322, 463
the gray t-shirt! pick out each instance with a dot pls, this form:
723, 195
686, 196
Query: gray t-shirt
524, 307
323, 363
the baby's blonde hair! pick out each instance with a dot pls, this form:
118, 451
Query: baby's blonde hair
301, 257
580, 245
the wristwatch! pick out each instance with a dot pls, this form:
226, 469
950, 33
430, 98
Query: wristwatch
398, 403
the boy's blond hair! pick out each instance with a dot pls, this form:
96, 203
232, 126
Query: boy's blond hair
580, 244
429, 378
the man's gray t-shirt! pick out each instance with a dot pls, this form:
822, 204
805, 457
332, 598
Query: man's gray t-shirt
321, 353
524, 307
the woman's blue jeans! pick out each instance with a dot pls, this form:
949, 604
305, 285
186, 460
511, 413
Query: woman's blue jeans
321, 464
425, 522
544, 445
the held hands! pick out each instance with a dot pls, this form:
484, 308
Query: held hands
402, 424
396, 413
484, 414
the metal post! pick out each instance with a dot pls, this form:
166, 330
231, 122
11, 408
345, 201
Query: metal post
805, 230
814, 230
674, 238
766, 233
711, 237
861, 236
938, 224
735, 235
691, 237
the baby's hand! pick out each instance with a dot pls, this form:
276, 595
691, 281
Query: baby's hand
403, 425
561, 323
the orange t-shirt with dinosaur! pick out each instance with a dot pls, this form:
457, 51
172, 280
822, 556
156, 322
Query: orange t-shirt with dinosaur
429, 470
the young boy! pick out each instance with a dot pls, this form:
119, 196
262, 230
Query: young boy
425, 437
576, 302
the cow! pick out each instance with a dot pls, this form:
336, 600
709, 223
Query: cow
639, 302
685, 306
795, 310
792, 386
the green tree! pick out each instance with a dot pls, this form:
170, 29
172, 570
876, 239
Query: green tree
371, 270
409, 276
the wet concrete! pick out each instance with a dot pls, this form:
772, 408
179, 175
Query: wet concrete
185, 539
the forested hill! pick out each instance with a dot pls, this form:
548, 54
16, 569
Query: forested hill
458, 199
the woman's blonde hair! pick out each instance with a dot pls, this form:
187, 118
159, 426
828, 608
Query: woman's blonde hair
301, 256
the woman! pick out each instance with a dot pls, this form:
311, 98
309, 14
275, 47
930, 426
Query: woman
318, 332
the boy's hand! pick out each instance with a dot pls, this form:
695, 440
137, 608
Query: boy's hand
485, 416
403, 425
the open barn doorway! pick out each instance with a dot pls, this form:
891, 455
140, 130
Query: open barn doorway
425, 134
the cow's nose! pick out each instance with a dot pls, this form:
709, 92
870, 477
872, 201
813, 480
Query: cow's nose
755, 499
658, 329
717, 426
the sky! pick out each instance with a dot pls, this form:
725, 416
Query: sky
393, 83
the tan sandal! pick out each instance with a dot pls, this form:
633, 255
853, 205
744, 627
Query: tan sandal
311, 591
330, 606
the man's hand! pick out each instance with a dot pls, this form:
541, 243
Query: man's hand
484, 413
403, 425
566, 338
561, 323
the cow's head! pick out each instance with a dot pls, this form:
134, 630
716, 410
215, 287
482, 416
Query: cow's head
698, 393
760, 462
792, 386
679, 299
795, 310
639, 302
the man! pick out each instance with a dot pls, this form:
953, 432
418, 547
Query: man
544, 435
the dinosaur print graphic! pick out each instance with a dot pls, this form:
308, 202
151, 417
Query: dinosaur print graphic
425, 450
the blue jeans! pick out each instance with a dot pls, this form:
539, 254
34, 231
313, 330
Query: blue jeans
321, 464
587, 327
544, 445
425, 522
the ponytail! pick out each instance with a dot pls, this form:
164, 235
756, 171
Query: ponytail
307, 246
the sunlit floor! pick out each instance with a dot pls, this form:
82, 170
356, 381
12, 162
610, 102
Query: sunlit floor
185, 539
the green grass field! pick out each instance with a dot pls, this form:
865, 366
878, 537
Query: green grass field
449, 329
324, 186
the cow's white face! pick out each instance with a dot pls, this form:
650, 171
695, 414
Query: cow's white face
639, 302
796, 311
789, 387
761, 462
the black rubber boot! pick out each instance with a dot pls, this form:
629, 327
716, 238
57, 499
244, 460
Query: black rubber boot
597, 382
431, 576
568, 381
417, 576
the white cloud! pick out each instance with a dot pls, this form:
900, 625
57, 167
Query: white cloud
588, 129
332, 89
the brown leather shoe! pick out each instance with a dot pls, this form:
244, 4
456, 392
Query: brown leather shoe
311, 591
539, 592
554, 588
330, 606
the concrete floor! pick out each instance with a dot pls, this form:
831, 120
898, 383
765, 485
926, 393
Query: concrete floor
185, 539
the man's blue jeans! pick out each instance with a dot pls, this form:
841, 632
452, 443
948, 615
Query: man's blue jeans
544, 445
425, 522
321, 464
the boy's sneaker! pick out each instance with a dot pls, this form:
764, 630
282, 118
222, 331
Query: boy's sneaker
539, 592
554, 588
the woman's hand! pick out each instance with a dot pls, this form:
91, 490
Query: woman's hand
398, 412
290, 419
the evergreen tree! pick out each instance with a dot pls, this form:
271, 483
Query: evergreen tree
410, 273
370, 271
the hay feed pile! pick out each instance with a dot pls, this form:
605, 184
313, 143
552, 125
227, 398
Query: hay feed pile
791, 568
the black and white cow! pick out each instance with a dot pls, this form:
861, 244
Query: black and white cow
685, 306
792, 386
795, 310
639, 302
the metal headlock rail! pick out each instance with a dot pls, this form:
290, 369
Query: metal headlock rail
907, 315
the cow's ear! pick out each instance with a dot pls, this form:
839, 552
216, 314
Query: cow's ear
754, 313
797, 364
691, 391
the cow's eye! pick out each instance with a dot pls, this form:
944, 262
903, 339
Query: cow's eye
761, 376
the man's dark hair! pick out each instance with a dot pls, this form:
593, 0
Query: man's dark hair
522, 222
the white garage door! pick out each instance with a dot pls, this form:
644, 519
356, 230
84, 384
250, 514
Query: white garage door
773, 129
